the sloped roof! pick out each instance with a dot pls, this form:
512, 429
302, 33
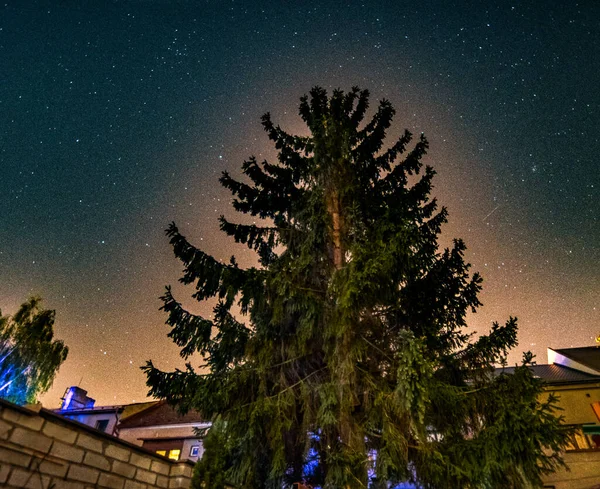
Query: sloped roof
131, 409
586, 355
556, 374
160, 413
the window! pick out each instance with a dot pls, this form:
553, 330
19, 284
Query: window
194, 451
101, 424
171, 448
172, 454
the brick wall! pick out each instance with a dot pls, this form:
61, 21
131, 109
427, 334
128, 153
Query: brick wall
41, 450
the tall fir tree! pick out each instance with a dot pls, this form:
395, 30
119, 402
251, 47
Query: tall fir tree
350, 367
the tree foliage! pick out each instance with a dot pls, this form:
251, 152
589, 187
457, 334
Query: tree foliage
342, 359
29, 357
211, 469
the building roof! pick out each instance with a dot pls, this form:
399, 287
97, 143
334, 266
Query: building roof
160, 414
588, 356
556, 374
170, 438
88, 410
131, 409
125, 410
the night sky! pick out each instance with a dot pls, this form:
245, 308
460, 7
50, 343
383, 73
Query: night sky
117, 117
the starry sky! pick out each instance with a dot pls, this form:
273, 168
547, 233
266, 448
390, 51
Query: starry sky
117, 117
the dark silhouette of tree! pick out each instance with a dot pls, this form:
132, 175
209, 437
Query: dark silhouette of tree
351, 366
29, 358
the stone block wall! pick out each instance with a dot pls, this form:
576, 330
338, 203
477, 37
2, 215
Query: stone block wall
41, 450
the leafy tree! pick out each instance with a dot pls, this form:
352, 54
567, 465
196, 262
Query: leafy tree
342, 360
29, 358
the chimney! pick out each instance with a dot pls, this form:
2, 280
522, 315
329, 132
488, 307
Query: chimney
76, 398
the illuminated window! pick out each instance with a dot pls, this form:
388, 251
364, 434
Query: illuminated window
174, 454
194, 451
162, 452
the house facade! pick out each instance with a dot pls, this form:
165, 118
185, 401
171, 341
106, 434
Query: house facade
154, 426
579, 397
161, 429
78, 406
573, 375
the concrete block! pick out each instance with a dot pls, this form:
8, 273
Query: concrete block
63, 484
14, 457
29, 480
34, 408
33, 422
4, 472
67, 452
134, 485
119, 453
179, 482
162, 481
140, 461
111, 480
31, 439
181, 470
123, 469
160, 467
50, 467
145, 476
97, 460
89, 442
5, 428
83, 474
59, 432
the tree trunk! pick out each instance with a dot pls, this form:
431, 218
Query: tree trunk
334, 208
